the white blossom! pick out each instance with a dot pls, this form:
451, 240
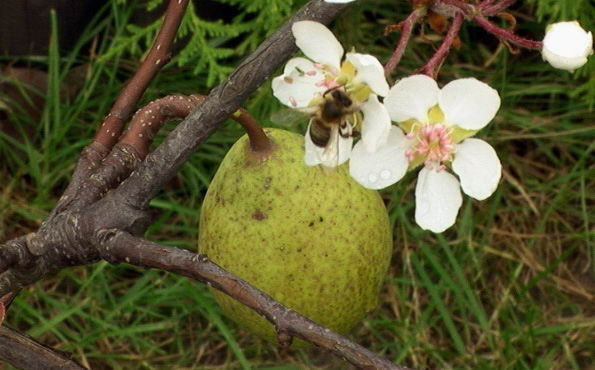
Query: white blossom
306, 82
437, 125
567, 45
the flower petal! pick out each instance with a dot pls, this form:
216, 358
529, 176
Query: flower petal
369, 71
468, 103
478, 167
383, 167
297, 86
376, 124
318, 43
437, 200
343, 152
412, 97
337, 151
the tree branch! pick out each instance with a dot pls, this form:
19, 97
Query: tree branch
120, 247
160, 53
507, 34
406, 28
432, 66
491, 9
111, 128
24, 352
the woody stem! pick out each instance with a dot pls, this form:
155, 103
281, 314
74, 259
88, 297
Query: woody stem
431, 68
259, 141
407, 27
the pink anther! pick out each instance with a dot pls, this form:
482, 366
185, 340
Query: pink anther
434, 144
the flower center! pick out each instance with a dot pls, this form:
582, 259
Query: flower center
434, 145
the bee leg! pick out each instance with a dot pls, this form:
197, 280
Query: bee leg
345, 130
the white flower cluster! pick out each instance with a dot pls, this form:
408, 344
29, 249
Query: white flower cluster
433, 125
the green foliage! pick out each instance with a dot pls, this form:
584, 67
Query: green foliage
212, 48
510, 286
563, 10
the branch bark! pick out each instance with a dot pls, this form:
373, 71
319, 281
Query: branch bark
109, 131
120, 247
24, 352
433, 65
160, 53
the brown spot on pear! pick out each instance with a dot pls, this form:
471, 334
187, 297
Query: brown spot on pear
331, 270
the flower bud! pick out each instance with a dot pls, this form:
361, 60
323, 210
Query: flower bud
567, 45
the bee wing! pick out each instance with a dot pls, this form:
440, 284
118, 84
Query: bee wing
330, 154
337, 150
291, 116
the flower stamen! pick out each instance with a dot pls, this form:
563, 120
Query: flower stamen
434, 145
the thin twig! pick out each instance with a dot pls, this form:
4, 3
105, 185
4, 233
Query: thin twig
507, 34
406, 28
432, 66
491, 9
134, 144
460, 4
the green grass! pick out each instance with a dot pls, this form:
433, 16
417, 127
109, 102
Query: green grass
510, 286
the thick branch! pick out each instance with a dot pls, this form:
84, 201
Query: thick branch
119, 247
24, 352
158, 56
14, 253
111, 128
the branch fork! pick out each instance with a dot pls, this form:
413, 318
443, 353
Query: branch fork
457, 11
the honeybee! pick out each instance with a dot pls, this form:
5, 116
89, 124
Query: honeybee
333, 118
333, 114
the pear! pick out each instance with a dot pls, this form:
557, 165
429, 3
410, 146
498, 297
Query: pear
311, 238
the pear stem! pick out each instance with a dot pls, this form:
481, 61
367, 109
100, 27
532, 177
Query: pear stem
259, 141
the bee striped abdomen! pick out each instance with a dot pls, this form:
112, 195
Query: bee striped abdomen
319, 133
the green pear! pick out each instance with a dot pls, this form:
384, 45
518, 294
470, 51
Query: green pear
310, 237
